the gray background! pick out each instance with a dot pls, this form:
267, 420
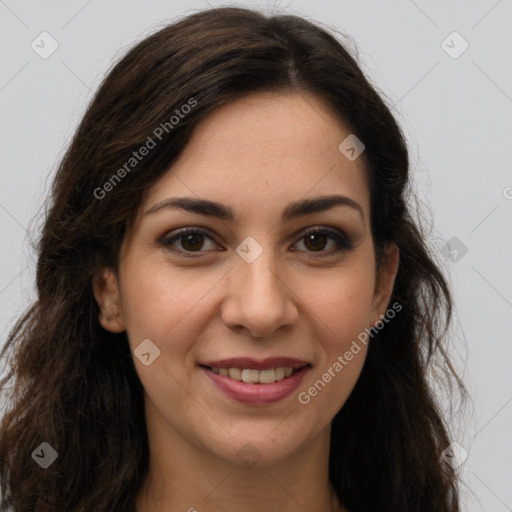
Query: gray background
455, 112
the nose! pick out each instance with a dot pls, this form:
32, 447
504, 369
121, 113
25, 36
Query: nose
258, 298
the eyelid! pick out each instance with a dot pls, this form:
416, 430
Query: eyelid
342, 240
170, 237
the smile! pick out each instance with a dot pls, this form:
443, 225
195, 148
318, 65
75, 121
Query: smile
256, 387
251, 376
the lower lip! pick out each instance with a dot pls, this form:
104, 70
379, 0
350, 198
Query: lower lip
259, 394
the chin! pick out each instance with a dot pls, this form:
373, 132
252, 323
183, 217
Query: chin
258, 449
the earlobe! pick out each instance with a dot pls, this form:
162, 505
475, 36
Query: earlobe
106, 293
386, 279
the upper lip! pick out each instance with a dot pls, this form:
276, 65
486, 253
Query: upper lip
256, 364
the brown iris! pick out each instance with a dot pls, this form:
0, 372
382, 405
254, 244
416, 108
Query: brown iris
196, 241
313, 236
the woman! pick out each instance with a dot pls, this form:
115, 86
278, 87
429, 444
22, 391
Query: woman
235, 307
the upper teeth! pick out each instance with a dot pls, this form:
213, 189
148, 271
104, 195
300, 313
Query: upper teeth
255, 376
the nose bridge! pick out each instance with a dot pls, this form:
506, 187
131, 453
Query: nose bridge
259, 278
257, 268
257, 297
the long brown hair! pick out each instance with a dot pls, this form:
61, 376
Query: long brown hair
75, 385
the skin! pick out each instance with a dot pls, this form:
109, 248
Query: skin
256, 155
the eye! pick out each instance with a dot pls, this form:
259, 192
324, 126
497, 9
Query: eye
192, 240
316, 239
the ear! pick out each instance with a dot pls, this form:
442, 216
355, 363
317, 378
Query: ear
385, 281
107, 296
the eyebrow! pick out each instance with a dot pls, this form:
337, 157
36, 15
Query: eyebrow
223, 212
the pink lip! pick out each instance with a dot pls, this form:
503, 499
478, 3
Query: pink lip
254, 364
258, 394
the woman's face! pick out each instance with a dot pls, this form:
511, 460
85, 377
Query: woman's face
257, 285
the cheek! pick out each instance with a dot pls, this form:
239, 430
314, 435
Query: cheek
344, 314
327, 392
162, 305
342, 310
158, 300
341, 303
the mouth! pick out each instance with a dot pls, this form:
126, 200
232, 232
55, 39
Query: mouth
255, 376
253, 386
255, 371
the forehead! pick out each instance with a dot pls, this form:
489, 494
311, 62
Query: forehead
263, 151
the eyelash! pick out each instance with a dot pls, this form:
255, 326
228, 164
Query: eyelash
344, 243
